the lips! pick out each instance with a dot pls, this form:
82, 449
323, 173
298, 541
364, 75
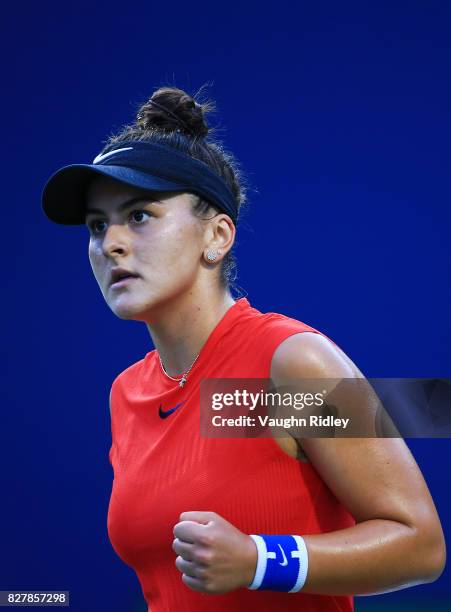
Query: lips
119, 274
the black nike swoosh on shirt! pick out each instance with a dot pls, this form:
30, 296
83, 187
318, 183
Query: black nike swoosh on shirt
165, 413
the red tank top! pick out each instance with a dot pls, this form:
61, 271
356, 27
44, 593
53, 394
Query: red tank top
162, 467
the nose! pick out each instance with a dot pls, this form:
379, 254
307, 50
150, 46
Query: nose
115, 240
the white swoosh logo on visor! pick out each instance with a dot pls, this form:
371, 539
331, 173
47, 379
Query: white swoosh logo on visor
100, 158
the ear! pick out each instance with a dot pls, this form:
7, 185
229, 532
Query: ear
219, 238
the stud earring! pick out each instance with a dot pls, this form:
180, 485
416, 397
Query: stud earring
211, 255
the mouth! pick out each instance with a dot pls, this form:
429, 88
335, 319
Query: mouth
121, 277
123, 282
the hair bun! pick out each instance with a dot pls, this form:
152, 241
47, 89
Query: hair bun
171, 109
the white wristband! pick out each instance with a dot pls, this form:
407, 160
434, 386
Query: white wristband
261, 562
303, 564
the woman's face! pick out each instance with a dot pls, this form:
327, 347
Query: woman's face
154, 236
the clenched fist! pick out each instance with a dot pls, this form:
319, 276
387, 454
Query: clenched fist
213, 555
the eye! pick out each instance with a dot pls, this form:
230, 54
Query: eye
139, 216
95, 226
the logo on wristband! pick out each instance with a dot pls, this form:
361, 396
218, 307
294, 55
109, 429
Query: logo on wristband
285, 560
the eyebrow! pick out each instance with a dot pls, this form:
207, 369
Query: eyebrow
124, 205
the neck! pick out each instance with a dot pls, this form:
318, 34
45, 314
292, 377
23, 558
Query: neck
183, 326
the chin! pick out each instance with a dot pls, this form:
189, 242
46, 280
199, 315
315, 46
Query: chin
128, 312
131, 311
145, 308
125, 316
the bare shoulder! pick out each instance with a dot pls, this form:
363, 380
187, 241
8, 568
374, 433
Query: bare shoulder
308, 355
303, 358
311, 355
311, 364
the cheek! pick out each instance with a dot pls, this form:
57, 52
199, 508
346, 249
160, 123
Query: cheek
94, 258
176, 247
187, 239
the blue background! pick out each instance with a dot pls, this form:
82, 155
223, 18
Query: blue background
339, 114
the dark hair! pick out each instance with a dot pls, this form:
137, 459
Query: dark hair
175, 119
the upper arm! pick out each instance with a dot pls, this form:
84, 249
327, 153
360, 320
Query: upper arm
370, 476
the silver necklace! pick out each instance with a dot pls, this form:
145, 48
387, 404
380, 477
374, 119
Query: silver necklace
181, 379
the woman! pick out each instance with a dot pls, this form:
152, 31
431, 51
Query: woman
192, 514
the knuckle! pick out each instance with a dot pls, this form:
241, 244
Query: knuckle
180, 563
177, 562
204, 556
206, 538
186, 579
201, 572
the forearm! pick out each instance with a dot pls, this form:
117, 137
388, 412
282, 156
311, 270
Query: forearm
374, 556
371, 557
